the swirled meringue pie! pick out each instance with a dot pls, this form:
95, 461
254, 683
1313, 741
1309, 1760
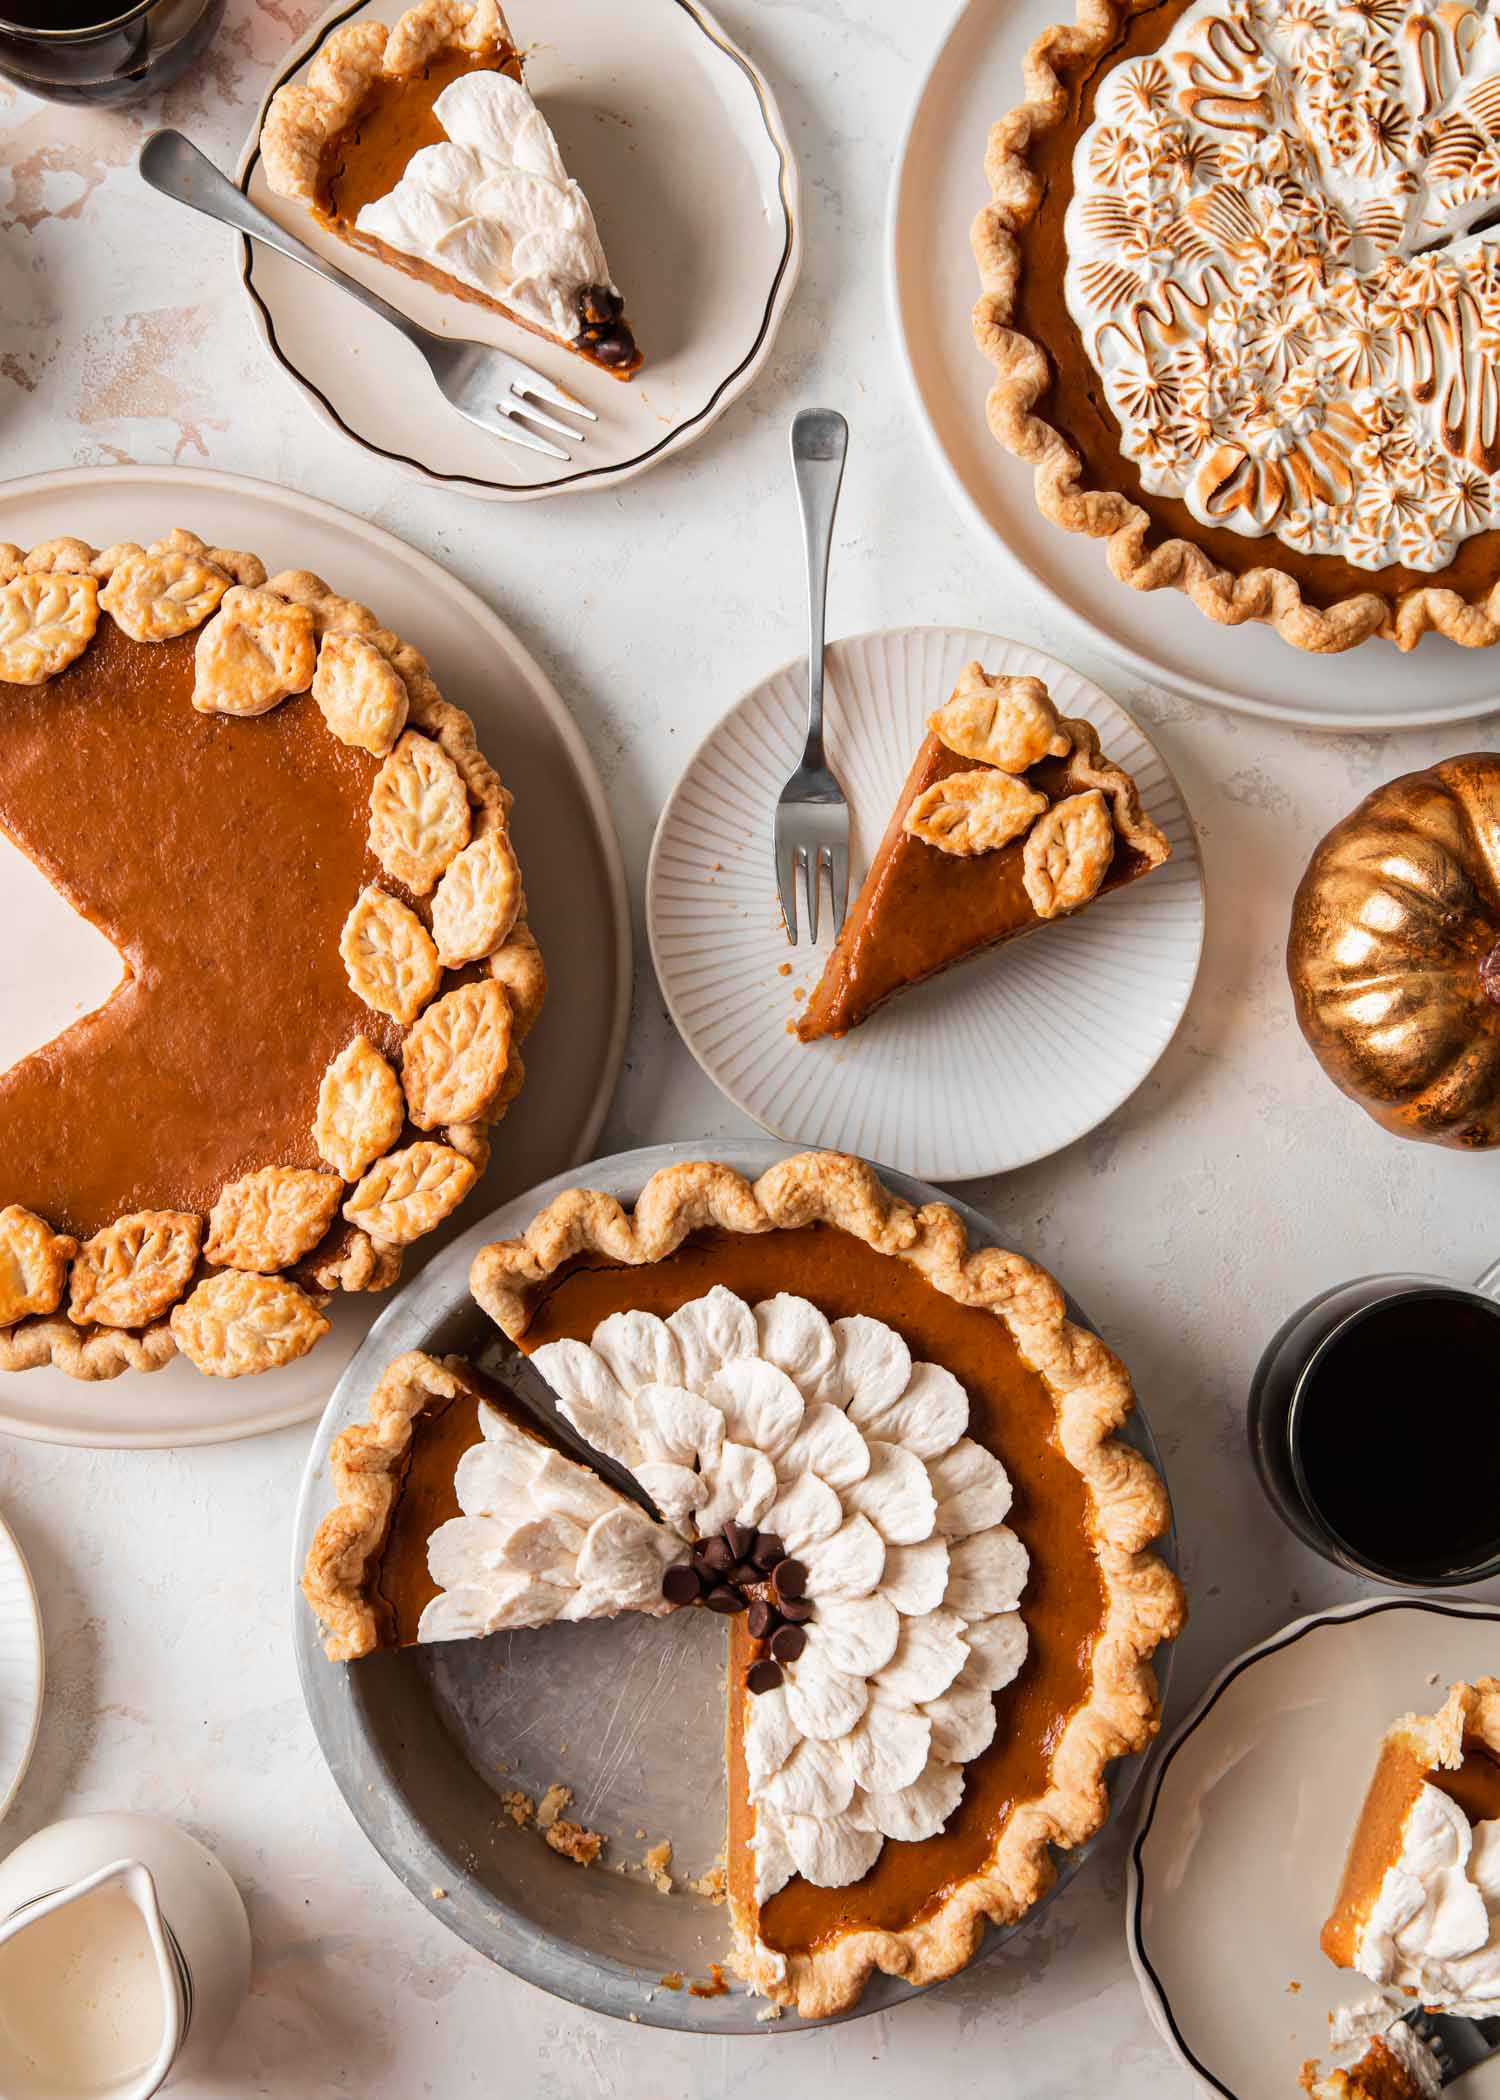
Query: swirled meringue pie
887, 1461
1242, 299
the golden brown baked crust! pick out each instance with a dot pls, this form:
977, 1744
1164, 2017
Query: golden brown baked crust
164, 590
1017, 418
1128, 1502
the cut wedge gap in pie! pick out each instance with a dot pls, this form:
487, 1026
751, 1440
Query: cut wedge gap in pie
978, 853
419, 145
852, 1429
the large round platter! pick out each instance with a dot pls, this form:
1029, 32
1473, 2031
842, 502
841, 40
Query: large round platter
1161, 636
628, 1713
1246, 1823
1005, 1059
22, 1667
677, 140
563, 833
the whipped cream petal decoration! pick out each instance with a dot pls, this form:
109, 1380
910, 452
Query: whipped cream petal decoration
679, 1426
590, 1399
712, 1331
831, 1853
814, 1781
497, 1474
557, 1484
927, 1416
677, 1491
963, 1721
796, 1338
827, 1444
1430, 1931
997, 1649
470, 1612
987, 1573
774, 1864
857, 1635
804, 1513
626, 1555
849, 1564
873, 1363
771, 1735
639, 1349
916, 1576
896, 1495
822, 1702
760, 1404
742, 1488
972, 1488
920, 1810
929, 1655
890, 1746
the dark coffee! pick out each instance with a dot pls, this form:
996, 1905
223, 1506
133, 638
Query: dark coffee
102, 51
62, 14
1398, 1435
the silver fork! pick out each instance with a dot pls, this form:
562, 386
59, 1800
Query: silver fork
488, 386
812, 816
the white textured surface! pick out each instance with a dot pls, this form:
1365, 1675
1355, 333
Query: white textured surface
1231, 1186
1002, 1060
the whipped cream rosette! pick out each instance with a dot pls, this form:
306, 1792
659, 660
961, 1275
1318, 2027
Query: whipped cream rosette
1434, 1927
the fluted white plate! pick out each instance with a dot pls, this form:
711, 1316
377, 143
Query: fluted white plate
21, 1667
1001, 1061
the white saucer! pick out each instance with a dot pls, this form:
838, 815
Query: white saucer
937, 189
22, 1667
678, 142
574, 878
1246, 1824
1003, 1060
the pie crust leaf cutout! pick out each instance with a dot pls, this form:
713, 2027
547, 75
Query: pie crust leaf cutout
271, 1218
237, 1324
455, 1059
363, 697
255, 652
360, 1110
1003, 721
389, 956
477, 901
973, 812
155, 596
419, 813
409, 1192
46, 623
130, 1273
33, 1264
1067, 854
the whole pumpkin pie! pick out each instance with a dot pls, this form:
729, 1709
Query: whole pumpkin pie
1240, 297
890, 1463
419, 144
1010, 817
257, 793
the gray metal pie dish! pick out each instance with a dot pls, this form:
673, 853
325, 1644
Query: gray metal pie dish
628, 1713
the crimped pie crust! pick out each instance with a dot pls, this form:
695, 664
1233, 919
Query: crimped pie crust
232, 1328
1144, 1601
1016, 412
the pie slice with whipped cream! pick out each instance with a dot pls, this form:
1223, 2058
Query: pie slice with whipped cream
1010, 817
889, 1461
420, 145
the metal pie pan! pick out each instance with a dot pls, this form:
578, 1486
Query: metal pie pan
628, 1713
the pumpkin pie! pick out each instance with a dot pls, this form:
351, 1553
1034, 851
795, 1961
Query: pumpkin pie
1010, 817
259, 795
1394, 2065
888, 1460
1241, 304
419, 144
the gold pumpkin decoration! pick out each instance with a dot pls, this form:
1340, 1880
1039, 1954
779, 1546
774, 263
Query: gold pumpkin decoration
1394, 953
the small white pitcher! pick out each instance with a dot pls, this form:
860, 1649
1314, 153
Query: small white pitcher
124, 1955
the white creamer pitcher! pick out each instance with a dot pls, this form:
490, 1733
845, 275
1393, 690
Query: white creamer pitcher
124, 1955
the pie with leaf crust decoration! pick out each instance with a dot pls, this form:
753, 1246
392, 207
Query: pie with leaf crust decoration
259, 795
890, 1462
1241, 295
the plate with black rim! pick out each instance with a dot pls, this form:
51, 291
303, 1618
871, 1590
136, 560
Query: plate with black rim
678, 143
1246, 1823
628, 1713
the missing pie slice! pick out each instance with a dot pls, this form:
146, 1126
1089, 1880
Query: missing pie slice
888, 1461
1010, 817
420, 145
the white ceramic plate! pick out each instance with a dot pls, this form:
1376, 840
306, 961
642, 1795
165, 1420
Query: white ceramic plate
1247, 1821
574, 877
678, 142
22, 1668
937, 189
1002, 1060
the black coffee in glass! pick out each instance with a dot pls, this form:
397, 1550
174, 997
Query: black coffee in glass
102, 51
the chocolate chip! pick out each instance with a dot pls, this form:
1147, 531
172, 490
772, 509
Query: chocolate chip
598, 304
788, 1578
787, 1643
763, 1619
746, 1574
798, 1610
724, 1599
615, 347
767, 1550
763, 1676
715, 1555
682, 1584
741, 1538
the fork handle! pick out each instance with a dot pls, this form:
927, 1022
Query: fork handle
172, 164
820, 439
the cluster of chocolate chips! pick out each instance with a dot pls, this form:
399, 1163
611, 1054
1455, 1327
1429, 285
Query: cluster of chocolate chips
744, 1570
608, 340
